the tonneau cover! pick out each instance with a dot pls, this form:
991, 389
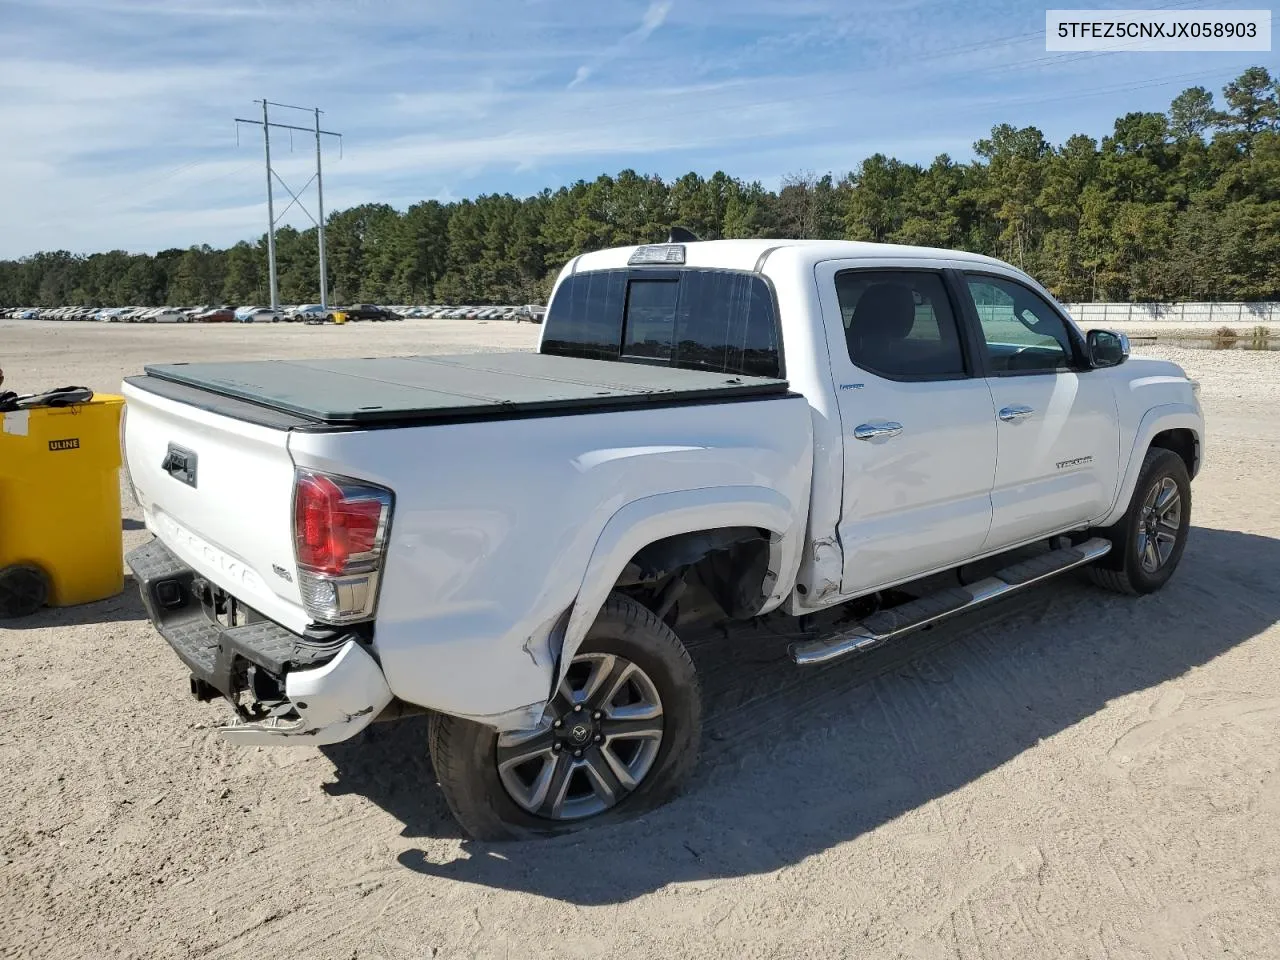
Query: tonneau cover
374, 391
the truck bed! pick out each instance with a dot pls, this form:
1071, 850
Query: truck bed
386, 391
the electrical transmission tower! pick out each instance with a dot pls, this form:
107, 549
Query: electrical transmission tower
266, 124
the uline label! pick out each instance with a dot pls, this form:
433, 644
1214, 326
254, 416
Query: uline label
72, 443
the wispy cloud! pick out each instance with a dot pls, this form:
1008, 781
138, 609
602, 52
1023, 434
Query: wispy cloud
654, 17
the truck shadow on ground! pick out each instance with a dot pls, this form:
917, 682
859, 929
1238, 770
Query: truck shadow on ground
796, 761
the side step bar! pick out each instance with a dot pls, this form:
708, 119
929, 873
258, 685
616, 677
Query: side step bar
887, 624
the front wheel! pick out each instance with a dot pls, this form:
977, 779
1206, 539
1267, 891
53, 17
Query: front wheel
620, 736
1148, 541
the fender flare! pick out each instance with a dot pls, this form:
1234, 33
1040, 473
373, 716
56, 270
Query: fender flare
1166, 416
641, 522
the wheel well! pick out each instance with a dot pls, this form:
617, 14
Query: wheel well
1182, 442
731, 563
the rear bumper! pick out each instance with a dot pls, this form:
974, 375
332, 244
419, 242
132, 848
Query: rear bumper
286, 688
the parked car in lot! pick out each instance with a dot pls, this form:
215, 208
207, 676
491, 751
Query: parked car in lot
214, 315
369, 311
167, 315
709, 430
258, 315
312, 313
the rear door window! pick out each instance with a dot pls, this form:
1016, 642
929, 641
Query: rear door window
899, 324
718, 320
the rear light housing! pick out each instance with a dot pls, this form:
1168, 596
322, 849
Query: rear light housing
340, 529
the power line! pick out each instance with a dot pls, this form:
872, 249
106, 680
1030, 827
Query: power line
266, 124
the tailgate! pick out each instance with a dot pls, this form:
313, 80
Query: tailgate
219, 493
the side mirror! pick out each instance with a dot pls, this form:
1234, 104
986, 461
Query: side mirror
1107, 348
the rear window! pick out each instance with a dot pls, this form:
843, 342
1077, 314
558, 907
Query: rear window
697, 319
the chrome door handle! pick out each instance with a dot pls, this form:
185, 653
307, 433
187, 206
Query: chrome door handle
873, 431
1015, 413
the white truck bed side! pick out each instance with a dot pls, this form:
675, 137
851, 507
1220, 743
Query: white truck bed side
496, 524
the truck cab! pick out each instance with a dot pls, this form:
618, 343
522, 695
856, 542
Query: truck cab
957, 410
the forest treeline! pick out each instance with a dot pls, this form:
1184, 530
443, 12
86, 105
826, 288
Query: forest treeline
1180, 205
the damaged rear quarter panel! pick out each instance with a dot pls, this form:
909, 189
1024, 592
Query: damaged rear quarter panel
496, 523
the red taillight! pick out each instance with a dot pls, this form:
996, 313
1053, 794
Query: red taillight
338, 524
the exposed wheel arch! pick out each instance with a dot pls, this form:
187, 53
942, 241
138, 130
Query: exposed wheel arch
682, 517
730, 562
1182, 442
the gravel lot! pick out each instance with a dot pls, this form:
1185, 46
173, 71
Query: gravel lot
1070, 775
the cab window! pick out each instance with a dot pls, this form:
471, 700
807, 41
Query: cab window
899, 324
1023, 332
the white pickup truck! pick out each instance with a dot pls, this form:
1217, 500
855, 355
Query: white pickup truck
511, 542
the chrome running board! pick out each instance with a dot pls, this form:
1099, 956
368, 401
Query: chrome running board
883, 626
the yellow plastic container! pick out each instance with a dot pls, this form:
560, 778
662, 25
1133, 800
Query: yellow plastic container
60, 502
340, 317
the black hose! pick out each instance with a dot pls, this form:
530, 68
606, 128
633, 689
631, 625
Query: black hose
59, 397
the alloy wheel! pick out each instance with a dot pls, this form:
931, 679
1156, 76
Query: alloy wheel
598, 739
1158, 524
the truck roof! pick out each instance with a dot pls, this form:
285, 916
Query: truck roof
746, 254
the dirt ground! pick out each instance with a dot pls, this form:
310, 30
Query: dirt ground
1072, 774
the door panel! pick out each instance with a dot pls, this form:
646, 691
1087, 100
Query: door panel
1056, 423
1056, 466
919, 500
919, 433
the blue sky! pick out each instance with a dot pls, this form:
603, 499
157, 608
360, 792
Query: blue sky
117, 114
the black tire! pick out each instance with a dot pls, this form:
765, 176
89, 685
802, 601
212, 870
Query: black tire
1122, 570
24, 589
465, 754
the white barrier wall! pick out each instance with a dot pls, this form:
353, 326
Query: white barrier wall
1219, 314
